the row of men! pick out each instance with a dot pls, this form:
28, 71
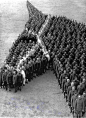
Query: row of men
33, 65
74, 90
11, 78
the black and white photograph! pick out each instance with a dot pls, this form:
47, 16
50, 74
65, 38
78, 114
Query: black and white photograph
42, 58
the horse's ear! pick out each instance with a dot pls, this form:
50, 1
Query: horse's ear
29, 5
31, 9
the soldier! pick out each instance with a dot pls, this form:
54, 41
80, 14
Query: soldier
15, 80
67, 83
57, 70
69, 89
71, 93
44, 63
82, 85
34, 68
63, 75
10, 79
27, 71
73, 99
63, 82
78, 108
84, 104
38, 66
30, 69
4, 79
0, 78
19, 80
22, 70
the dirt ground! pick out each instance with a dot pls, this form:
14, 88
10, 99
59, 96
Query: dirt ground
40, 98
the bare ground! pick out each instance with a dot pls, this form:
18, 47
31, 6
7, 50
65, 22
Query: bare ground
40, 98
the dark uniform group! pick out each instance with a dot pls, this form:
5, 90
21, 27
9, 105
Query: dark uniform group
74, 91
65, 40
34, 65
10, 79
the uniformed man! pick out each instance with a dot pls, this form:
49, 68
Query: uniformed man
38, 66
82, 85
19, 80
69, 89
22, 70
4, 79
71, 93
63, 83
63, 75
27, 70
78, 106
84, 104
10, 79
0, 78
15, 80
73, 99
66, 85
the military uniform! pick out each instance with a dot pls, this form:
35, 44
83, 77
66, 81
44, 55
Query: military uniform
73, 99
78, 107
63, 83
66, 85
15, 81
9, 80
27, 72
1, 79
71, 93
4, 79
19, 80
38, 66
24, 76
81, 87
84, 104
68, 90
62, 76
31, 69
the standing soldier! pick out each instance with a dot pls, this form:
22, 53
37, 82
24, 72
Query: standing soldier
63, 83
70, 89
67, 83
10, 79
19, 80
73, 99
84, 104
27, 71
34, 68
78, 108
62, 76
0, 78
38, 65
31, 69
23, 74
71, 93
15, 80
4, 79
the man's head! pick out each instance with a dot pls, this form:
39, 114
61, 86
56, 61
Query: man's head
73, 88
72, 83
68, 80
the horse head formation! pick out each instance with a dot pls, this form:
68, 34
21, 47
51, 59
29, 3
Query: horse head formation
48, 42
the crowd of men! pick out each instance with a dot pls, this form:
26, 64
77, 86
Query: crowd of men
36, 18
26, 58
15, 73
65, 39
